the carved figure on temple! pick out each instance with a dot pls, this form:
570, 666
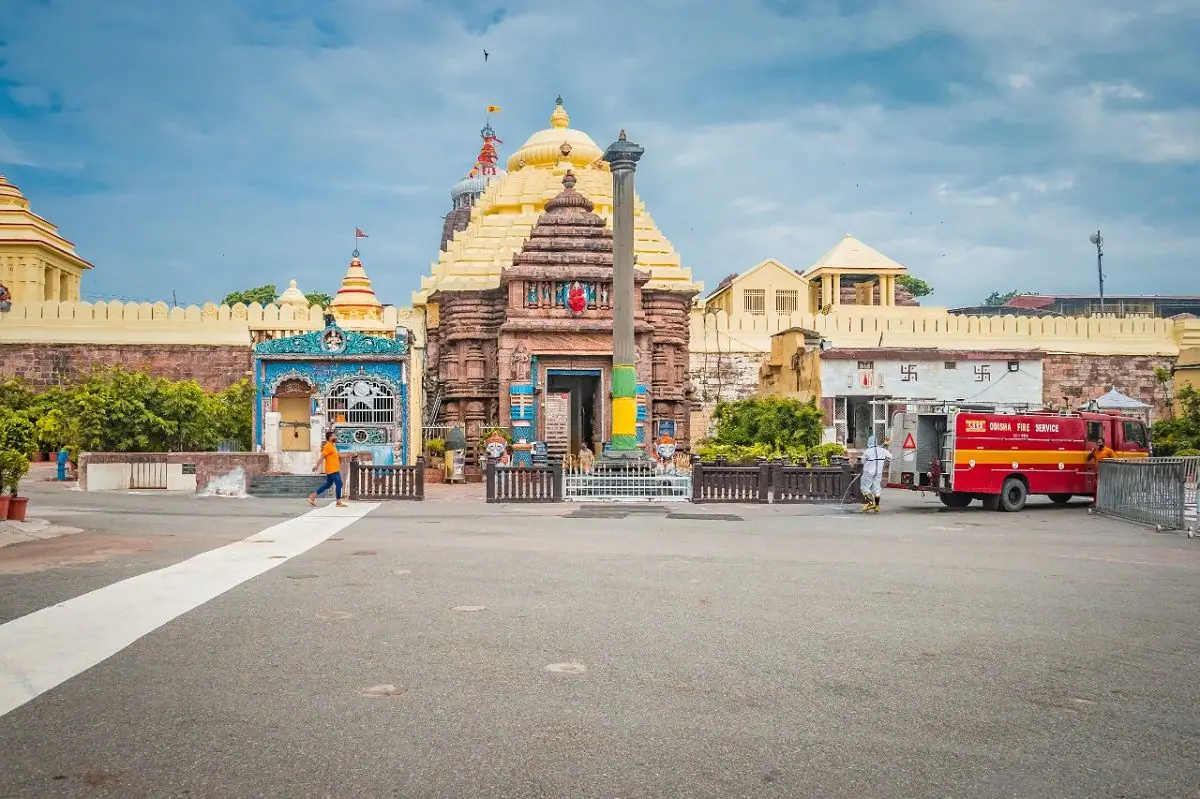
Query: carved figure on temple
576, 298
519, 367
664, 451
497, 448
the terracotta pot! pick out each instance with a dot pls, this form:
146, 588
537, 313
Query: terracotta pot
16, 508
4, 506
434, 476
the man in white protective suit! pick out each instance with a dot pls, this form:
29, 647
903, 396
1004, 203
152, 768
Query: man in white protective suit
874, 466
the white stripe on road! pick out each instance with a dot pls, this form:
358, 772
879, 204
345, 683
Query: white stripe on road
52, 645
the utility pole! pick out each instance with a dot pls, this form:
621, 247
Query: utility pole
1098, 240
622, 157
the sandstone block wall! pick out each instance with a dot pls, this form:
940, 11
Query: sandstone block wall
719, 377
1082, 377
212, 366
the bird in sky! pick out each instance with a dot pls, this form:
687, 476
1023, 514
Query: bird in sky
485, 56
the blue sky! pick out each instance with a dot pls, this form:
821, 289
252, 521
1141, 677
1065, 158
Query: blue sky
200, 147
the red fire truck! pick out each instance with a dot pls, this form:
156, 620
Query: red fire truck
1002, 458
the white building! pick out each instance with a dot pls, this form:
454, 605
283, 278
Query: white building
861, 389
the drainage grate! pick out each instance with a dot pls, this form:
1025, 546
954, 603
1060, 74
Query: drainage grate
707, 517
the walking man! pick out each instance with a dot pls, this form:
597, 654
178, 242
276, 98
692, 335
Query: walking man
874, 465
331, 464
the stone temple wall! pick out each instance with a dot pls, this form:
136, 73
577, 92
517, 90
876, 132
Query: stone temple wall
214, 367
716, 377
1081, 377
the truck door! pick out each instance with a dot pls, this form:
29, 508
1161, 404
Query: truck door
1096, 431
1131, 438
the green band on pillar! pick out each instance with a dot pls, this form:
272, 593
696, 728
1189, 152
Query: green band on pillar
624, 380
624, 443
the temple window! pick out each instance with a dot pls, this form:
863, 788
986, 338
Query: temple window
755, 301
362, 401
787, 301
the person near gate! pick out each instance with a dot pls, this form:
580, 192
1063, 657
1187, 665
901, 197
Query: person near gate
874, 465
1099, 452
330, 463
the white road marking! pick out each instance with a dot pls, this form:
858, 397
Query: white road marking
50, 646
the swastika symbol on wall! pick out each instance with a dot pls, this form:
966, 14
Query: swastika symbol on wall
908, 373
983, 373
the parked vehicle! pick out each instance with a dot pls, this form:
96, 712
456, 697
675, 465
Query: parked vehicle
1003, 458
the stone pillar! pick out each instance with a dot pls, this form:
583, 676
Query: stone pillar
622, 156
835, 283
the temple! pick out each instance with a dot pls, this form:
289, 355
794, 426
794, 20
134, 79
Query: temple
519, 313
333, 378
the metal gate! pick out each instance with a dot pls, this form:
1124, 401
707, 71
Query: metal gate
148, 471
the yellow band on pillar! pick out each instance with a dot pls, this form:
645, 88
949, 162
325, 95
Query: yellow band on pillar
624, 421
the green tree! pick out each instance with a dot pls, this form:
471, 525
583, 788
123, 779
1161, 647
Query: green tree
775, 423
319, 298
915, 285
263, 295
233, 413
1181, 434
996, 299
17, 432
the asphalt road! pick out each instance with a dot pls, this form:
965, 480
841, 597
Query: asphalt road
697, 651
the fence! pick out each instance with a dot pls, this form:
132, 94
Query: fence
525, 484
640, 482
387, 482
1156, 491
776, 482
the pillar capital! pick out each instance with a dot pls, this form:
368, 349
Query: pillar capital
623, 154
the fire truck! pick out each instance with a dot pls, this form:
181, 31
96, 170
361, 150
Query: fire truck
1002, 458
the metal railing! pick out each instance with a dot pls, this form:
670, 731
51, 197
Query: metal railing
1160, 492
641, 482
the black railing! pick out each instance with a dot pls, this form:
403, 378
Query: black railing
387, 482
525, 483
778, 482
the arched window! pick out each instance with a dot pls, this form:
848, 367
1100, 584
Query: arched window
362, 401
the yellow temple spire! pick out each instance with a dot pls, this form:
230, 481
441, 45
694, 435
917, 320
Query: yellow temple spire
356, 299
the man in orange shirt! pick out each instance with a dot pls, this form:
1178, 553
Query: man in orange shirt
1099, 452
332, 464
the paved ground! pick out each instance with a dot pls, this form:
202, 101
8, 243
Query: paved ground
703, 652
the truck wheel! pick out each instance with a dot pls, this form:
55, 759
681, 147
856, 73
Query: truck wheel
955, 499
1060, 499
1013, 495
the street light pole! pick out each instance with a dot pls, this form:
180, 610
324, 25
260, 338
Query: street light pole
1098, 240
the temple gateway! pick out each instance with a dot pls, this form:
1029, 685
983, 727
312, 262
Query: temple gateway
519, 306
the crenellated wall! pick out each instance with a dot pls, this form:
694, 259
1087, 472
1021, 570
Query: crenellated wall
52, 343
1084, 357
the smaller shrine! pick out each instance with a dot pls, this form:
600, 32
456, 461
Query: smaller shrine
333, 378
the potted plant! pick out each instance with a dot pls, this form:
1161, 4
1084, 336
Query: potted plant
14, 466
435, 449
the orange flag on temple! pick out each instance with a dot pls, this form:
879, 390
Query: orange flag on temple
358, 234
493, 109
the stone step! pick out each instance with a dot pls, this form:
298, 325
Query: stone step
284, 485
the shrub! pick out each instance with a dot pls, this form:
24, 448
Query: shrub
780, 424
435, 446
17, 432
13, 467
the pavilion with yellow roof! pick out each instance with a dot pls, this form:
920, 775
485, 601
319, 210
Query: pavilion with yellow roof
36, 263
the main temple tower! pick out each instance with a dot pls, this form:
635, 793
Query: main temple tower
519, 308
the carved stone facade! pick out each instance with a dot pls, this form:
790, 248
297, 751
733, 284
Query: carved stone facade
540, 346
